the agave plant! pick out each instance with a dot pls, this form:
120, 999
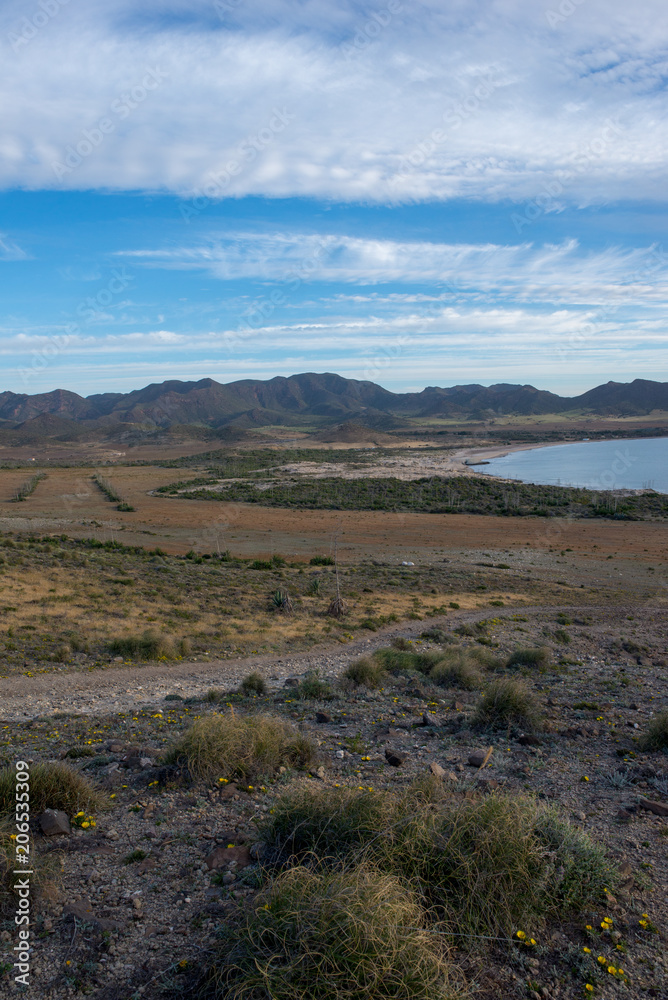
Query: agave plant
281, 601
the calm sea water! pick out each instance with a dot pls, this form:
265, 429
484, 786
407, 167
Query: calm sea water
598, 465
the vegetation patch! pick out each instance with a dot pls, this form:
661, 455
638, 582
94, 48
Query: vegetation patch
483, 866
232, 746
655, 736
366, 671
507, 702
538, 657
149, 646
313, 688
355, 934
253, 684
52, 786
456, 670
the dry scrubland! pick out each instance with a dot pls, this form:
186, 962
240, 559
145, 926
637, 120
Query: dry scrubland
457, 789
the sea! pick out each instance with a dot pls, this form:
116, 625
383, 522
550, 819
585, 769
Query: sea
636, 464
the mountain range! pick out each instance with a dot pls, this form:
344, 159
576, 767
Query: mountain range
316, 399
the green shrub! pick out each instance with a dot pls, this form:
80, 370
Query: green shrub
436, 635
355, 934
456, 670
655, 736
52, 786
215, 695
313, 688
486, 866
539, 657
253, 683
321, 561
232, 746
399, 661
507, 702
365, 671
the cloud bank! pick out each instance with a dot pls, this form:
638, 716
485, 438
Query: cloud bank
379, 101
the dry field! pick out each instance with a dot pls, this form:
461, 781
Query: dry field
128, 634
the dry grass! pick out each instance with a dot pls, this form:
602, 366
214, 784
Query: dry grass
149, 646
351, 934
242, 747
655, 736
538, 657
253, 684
507, 702
52, 786
483, 866
365, 671
457, 669
401, 661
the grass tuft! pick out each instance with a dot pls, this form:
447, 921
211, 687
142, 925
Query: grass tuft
232, 746
313, 688
352, 934
483, 866
149, 646
253, 683
507, 702
457, 669
401, 661
655, 736
52, 786
365, 671
539, 657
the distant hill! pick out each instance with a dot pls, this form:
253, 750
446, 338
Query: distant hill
319, 400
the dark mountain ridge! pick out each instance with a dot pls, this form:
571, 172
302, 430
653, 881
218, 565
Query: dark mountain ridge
323, 399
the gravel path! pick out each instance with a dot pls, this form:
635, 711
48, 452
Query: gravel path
100, 692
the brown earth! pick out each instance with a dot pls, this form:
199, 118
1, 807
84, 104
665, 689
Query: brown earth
68, 501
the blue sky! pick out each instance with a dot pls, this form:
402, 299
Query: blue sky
409, 193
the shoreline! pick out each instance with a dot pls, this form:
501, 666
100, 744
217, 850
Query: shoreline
486, 454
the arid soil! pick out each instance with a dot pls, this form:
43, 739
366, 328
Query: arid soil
136, 908
68, 501
132, 908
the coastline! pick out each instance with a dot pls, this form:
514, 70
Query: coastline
467, 459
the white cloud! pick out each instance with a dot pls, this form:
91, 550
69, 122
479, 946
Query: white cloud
549, 273
10, 250
516, 103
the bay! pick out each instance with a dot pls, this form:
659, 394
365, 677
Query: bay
635, 464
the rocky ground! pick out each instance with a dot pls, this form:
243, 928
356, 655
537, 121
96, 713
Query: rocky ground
136, 902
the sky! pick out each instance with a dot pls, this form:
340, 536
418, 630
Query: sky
408, 193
